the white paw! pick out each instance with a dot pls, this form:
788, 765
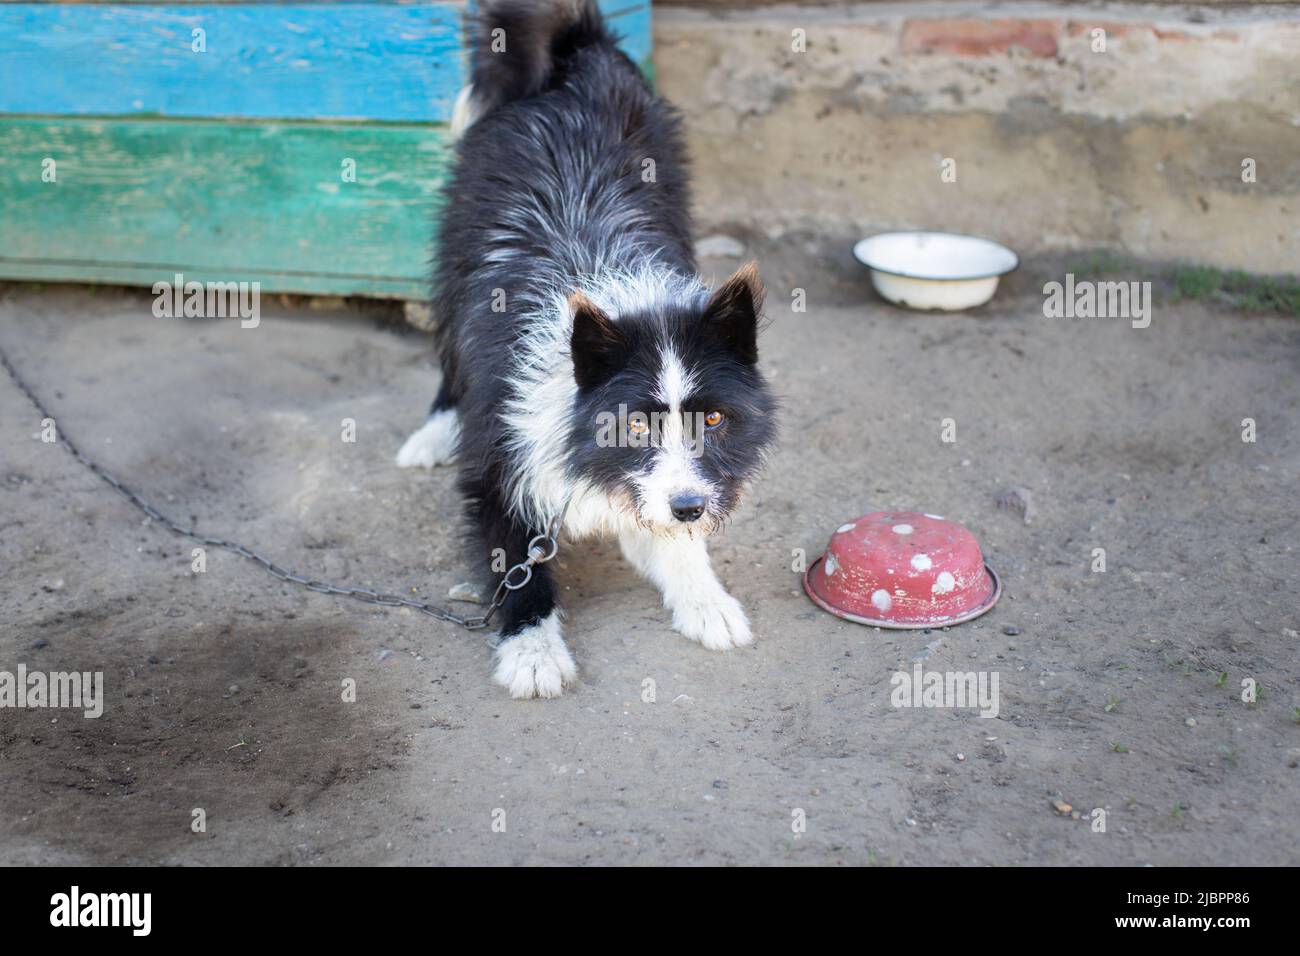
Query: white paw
535, 662
717, 622
434, 443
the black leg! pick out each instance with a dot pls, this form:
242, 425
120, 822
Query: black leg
531, 658
535, 601
444, 399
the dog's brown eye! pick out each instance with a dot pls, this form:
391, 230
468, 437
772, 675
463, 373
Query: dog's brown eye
713, 419
637, 425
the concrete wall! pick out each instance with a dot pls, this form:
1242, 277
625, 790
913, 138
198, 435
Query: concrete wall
1055, 145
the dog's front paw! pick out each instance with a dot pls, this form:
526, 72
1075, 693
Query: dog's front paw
535, 662
717, 622
433, 443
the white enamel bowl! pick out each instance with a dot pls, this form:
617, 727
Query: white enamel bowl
935, 270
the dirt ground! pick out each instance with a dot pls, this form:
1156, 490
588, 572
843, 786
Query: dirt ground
1121, 690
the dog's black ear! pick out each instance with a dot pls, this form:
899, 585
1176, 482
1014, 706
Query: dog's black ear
733, 310
598, 346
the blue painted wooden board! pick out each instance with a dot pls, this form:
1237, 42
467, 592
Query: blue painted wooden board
376, 61
326, 61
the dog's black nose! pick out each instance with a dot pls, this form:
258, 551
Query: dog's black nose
686, 507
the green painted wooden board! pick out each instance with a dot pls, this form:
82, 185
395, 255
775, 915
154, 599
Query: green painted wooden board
139, 200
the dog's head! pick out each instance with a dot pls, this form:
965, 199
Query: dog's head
672, 417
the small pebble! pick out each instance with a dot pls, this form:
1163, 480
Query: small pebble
1190, 721
233, 688
41, 643
1019, 501
1011, 630
465, 592
720, 246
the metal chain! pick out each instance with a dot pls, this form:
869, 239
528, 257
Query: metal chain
541, 548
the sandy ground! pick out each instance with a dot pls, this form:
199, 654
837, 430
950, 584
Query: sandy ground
224, 688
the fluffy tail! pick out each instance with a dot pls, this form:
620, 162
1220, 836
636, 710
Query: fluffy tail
518, 48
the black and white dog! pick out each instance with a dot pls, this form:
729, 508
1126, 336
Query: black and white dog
583, 362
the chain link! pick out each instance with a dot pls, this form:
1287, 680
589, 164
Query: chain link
541, 548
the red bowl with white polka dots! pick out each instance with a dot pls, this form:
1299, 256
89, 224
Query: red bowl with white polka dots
903, 569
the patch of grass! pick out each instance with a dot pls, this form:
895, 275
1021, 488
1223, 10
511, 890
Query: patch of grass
1118, 749
1177, 811
1112, 704
1102, 263
1228, 288
1197, 282
1223, 679
1237, 289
